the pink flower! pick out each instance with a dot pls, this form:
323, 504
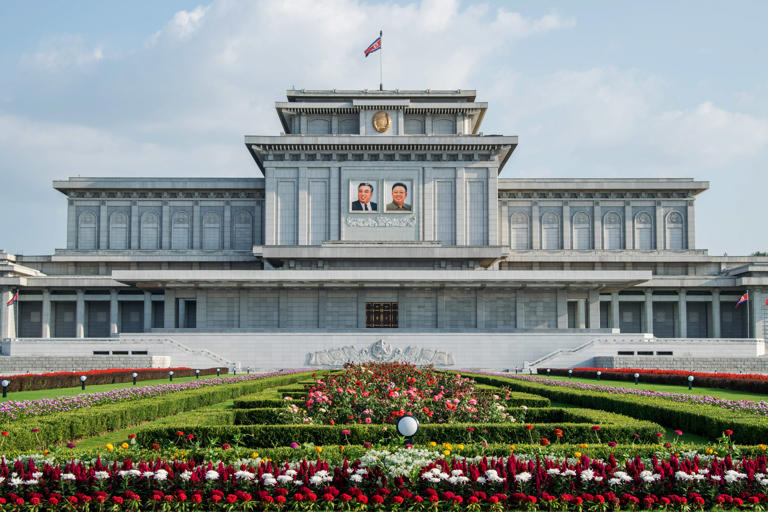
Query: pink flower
346, 432
679, 432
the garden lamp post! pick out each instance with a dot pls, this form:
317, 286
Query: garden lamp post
170, 375
690, 382
82, 382
408, 426
218, 371
5, 384
570, 373
547, 372
637, 377
134, 375
197, 374
599, 373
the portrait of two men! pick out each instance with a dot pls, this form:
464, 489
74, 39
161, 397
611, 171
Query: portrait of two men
398, 191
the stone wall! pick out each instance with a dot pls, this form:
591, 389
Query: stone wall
698, 364
41, 364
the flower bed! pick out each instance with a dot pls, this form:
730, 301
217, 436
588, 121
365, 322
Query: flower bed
675, 410
384, 392
754, 383
383, 480
57, 380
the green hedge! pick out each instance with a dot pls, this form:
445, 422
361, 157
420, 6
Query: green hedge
66, 426
576, 425
709, 421
258, 403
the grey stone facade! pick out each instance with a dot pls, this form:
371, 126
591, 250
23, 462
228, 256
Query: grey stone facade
466, 252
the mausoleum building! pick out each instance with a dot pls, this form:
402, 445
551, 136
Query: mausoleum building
377, 223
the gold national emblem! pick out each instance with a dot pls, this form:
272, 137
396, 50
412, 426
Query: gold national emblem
381, 121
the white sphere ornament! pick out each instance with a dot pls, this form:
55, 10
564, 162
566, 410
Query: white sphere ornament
407, 426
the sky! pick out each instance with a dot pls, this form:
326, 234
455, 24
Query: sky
591, 88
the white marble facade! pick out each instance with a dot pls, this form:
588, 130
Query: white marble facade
298, 248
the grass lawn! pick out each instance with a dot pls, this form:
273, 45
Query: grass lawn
53, 393
713, 392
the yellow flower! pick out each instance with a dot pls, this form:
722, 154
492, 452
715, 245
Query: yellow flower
124, 446
319, 449
432, 443
762, 447
511, 447
341, 447
577, 454
583, 445
708, 451
46, 452
460, 446
446, 452
110, 447
254, 455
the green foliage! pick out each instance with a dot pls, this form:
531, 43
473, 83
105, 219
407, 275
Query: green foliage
60, 428
696, 418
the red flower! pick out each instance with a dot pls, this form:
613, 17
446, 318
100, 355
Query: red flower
396, 499
544, 441
190, 437
529, 427
362, 498
197, 498
226, 446
280, 499
131, 436
53, 500
179, 433
728, 432
678, 432
558, 432
595, 427
35, 430
378, 499
231, 498
470, 429
5, 433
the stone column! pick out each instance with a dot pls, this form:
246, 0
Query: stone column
113, 311
6, 314
441, 308
682, 314
80, 314
103, 225
202, 309
566, 226
581, 314
648, 311
133, 227
169, 309
659, 226
334, 123
562, 309
165, 223
598, 226
46, 315
690, 226
227, 225
401, 121
243, 304
195, 224
615, 312
628, 225
71, 225
593, 309
480, 308
362, 122
535, 229
461, 207
520, 309
303, 207
147, 311
428, 124
715, 313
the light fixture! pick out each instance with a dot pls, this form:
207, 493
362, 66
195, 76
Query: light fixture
170, 375
5, 383
408, 426
690, 382
637, 377
82, 382
134, 375
197, 374
599, 373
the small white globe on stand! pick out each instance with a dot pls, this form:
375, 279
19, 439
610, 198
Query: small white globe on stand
408, 426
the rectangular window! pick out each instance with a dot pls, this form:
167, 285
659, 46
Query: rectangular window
381, 315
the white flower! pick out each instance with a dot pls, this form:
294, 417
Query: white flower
269, 482
481, 480
621, 475
682, 475
553, 471
67, 476
315, 480
569, 472
730, 478
359, 478
284, 479
759, 476
716, 478
244, 475
703, 471
457, 472
587, 475
101, 475
362, 471
186, 475
523, 477
764, 482
598, 479
14, 481
30, 482
211, 475
37, 474
614, 481
148, 474
161, 475
291, 472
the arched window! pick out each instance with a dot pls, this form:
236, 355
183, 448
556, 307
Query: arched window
444, 126
582, 238
349, 125
674, 231
519, 238
150, 231
550, 231
243, 230
211, 231
643, 231
414, 125
612, 231
180, 230
118, 231
86, 231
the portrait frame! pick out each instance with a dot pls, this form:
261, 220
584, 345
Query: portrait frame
390, 205
354, 198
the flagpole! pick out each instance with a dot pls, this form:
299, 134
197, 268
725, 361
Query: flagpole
381, 66
749, 303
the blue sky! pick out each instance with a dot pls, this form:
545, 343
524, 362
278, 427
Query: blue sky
592, 89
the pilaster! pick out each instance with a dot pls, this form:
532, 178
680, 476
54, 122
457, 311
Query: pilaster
103, 225
303, 207
201, 311
196, 225
682, 315
71, 224
562, 309
691, 225
566, 227
715, 313
113, 311
147, 311
166, 226
535, 226
6, 314
227, 225
628, 225
648, 311
520, 309
593, 309
80, 314
133, 227
169, 309
441, 308
46, 315
659, 226
615, 311
242, 319
461, 207
598, 226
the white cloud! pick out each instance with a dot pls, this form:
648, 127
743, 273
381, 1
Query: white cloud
62, 53
182, 25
